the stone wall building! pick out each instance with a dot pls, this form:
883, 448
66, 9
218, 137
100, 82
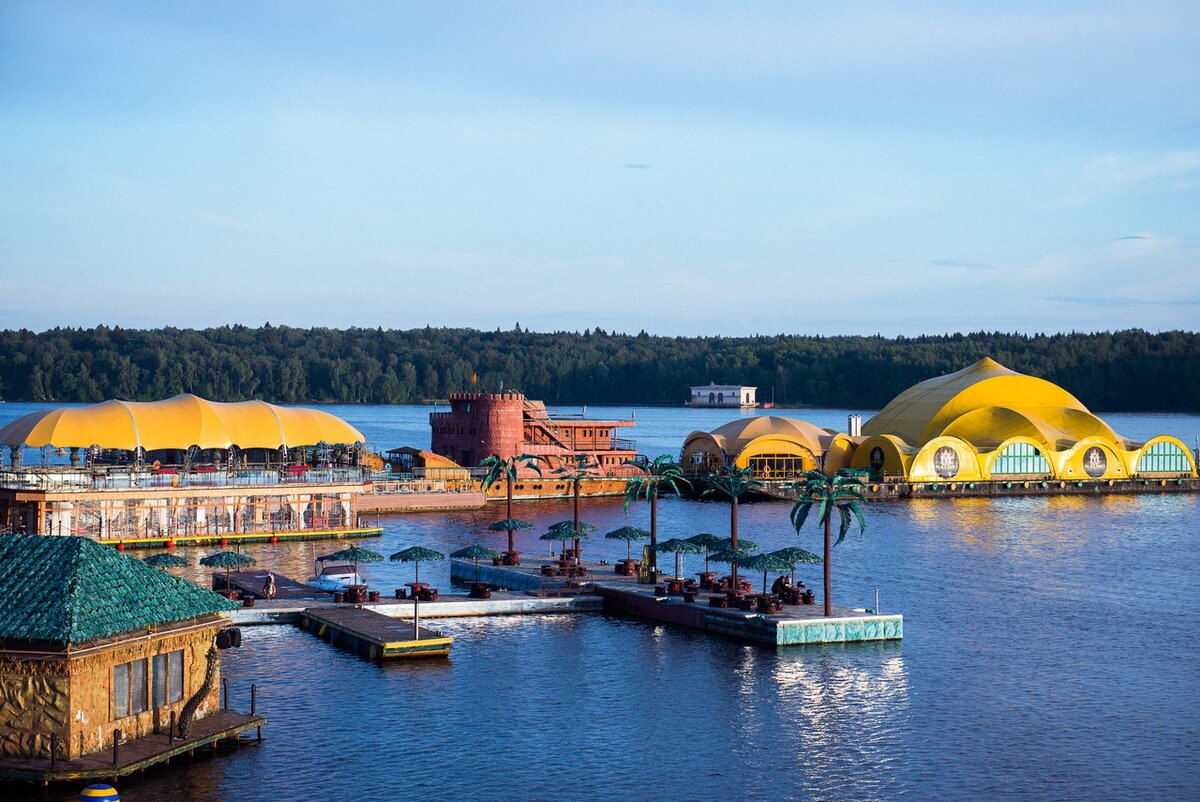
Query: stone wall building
94, 643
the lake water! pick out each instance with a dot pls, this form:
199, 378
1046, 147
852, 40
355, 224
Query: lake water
1049, 653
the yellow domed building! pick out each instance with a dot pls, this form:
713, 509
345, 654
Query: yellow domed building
989, 423
774, 447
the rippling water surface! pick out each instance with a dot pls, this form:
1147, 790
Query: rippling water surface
1049, 653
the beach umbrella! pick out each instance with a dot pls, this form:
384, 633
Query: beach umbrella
572, 532
553, 535
679, 547
358, 555
628, 534
744, 544
228, 560
731, 556
166, 560
709, 542
415, 554
475, 553
765, 563
795, 554
510, 525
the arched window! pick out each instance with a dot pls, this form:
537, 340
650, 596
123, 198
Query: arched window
720, 398
1164, 457
712, 398
1020, 458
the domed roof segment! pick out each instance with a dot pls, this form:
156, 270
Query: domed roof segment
736, 435
1022, 404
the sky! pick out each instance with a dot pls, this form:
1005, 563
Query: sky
690, 168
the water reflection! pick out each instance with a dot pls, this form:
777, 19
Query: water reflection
1048, 654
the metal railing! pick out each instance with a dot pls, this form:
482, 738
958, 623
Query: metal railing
64, 478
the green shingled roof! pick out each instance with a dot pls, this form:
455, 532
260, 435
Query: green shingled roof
72, 590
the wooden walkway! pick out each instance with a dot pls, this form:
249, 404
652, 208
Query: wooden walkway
374, 635
134, 755
250, 583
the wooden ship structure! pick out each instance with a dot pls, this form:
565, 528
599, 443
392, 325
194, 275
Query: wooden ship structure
508, 424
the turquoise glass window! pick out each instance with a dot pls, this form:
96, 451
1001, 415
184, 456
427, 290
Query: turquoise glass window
1018, 459
1164, 457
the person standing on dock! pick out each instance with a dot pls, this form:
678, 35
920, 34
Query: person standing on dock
268, 588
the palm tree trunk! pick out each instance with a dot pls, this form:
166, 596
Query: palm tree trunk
577, 520
733, 580
508, 508
653, 532
828, 566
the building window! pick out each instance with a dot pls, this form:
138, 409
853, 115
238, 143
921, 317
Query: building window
1018, 459
168, 678
779, 466
1163, 457
129, 689
120, 691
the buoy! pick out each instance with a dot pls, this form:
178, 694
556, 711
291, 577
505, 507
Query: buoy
224, 542
274, 539
99, 792
170, 544
120, 547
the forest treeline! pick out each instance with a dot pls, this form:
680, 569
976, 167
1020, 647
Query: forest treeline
1129, 370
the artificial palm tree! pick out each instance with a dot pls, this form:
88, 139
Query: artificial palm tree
841, 492
499, 468
657, 475
732, 484
575, 470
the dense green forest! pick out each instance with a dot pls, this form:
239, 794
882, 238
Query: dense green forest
1119, 371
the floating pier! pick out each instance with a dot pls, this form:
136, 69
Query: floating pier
373, 635
250, 583
789, 625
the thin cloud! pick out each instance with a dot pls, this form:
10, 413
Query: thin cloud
1118, 302
964, 264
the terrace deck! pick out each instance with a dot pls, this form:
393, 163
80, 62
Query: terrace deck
134, 755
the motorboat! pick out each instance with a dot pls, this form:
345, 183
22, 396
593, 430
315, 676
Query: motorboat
330, 575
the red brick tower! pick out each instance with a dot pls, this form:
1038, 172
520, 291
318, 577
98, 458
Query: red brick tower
479, 425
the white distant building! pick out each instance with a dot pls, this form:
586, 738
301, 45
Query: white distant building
733, 396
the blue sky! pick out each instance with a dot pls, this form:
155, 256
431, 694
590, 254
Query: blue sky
684, 168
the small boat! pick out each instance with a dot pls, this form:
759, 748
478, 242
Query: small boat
333, 576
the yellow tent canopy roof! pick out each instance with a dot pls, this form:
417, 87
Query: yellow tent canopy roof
982, 404
734, 436
179, 422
